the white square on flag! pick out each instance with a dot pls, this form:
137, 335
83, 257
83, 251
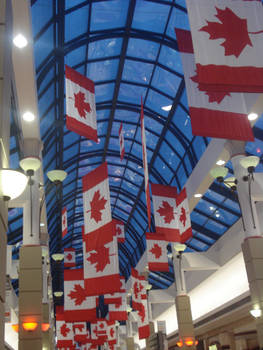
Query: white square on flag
157, 252
69, 257
64, 222
184, 216
118, 227
80, 104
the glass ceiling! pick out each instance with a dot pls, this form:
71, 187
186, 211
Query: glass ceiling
129, 49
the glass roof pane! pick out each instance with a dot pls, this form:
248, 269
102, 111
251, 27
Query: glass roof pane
76, 23
143, 49
104, 48
137, 72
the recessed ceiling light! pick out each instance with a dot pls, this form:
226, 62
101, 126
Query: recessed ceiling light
28, 116
167, 108
20, 41
252, 116
198, 195
220, 162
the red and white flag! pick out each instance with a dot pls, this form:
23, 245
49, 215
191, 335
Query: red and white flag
228, 44
98, 332
101, 265
143, 323
69, 257
118, 227
213, 114
64, 222
138, 289
64, 330
80, 104
115, 298
157, 252
81, 334
78, 305
118, 311
184, 216
164, 205
96, 199
145, 167
121, 140
111, 332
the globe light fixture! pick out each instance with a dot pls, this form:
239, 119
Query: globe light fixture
252, 116
20, 41
28, 117
57, 176
12, 183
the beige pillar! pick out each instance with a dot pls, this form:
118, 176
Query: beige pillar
151, 324
253, 255
185, 322
227, 341
241, 344
47, 343
30, 296
130, 343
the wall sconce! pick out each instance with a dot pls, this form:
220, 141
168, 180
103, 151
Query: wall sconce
256, 313
30, 165
45, 327
58, 294
187, 341
57, 257
57, 176
15, 327
12, 183
29, 326
219, 173
148, 286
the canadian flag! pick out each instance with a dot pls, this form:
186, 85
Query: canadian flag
64, 330
111, 332
213, 114
78, 306
80, 104
69, 257
145, 167
164, 204
64, 222
121, 140
115, 298
96, 199
138, 289
118, 311
184, 216
119, 230
143, 320
157, 252
81, 333
98, 332
101, 265
228, 44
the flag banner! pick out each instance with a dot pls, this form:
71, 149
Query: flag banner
116, 298
213, 114
80, 104
64, 222
78, 305
228, 44
157, 252
138, 289
81, 334
121, 140
118, 312
69, 257
64, 330
164, 205
143, 322
145, 167
96, 199
111, 332
118, 227
101, 265
98, 332
184, 216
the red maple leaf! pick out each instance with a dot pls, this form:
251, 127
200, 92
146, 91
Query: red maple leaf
141, 313
183, 216
69, 256
78, 293
64, 221
81, 105
64, 330
118, 231
166, 210
97, 204
112, 333
212, 96
232, 28
80, 327
100, 258
156, 251
137, 289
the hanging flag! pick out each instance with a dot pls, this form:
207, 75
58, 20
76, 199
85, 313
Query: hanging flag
111, 333
145, 167
98, 332
64, 222
157, 252
80, 104
101, 264
138, 289
184, 216
96, 200
78, 305
118, 311
143, 323
164, 205
81, 334
64, 330
121, 140
69, 257
115, 298
228, 44
213, 114
118, 227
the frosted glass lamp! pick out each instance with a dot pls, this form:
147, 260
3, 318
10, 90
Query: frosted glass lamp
30, 165
218, 173
12, 183
57, 257
249, 163
57, 176
231, 182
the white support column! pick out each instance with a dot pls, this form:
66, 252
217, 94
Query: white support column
178, 273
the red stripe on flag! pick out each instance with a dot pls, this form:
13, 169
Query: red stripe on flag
79, 79
247, 79
95, 177
81, 129
103, 285
155, 237
99, 237
228, 125
144, 332
164, 191
184, 40
74, 275
118, 315
65, 344
80, 315
158, 266
186, 235
170, 234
